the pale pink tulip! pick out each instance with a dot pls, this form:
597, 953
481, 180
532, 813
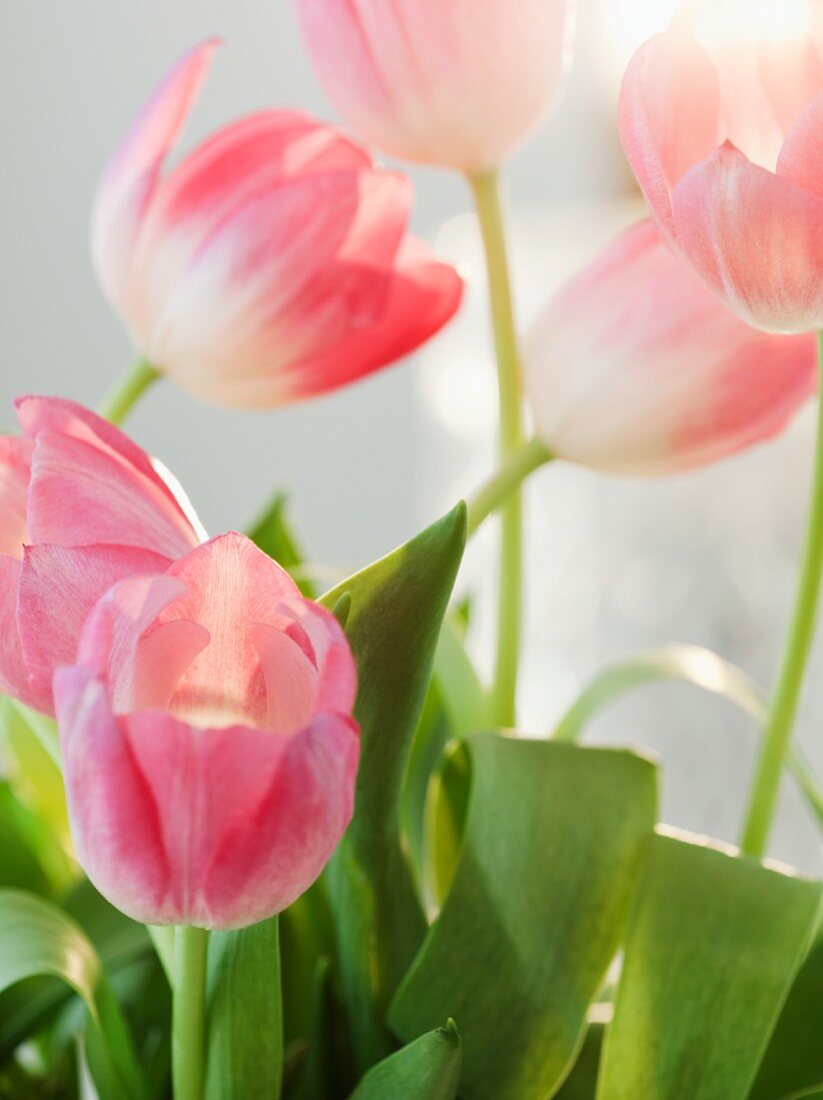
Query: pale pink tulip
81, 507
453, 83
272, 264
636, 367
208, 746
722, 120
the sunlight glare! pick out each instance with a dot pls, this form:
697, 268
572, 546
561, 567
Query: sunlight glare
772, 21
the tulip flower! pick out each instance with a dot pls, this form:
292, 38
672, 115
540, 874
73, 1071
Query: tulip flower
636, 367
721, 119
81, 507
208, 746
272, 264
457, 85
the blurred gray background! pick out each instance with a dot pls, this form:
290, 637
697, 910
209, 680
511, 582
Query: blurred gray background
615, 565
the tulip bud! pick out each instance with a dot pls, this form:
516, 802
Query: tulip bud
81, 507
458, 84
272, 264
208, 746
635, 367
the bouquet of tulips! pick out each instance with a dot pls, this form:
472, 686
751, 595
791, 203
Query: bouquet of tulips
261, 840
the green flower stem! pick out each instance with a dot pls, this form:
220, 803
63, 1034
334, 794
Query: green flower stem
486, 189
778, 732
189, 1012
525, 460
127, 391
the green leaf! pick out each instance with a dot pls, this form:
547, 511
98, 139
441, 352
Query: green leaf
20, 865
535, 910
427, 1069
713, 946
34, 773
794, 1058
37, 939
688, 664
273, 534
581, 1084
397, 607
446, 810
464, 699
245, 1025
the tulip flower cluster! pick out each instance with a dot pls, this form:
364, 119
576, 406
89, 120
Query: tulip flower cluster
250, 769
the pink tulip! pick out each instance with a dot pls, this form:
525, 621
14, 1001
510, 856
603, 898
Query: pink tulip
458, 84
722, 124
81, 507
272, 264
208, 746
636, 367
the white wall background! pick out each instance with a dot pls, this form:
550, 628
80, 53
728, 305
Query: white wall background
617, 565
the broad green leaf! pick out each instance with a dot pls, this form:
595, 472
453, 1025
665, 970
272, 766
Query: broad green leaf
815, 1093
33, 771
456, 705
464, 699
688, 664
535, 910
397, 608
581, 1084
794, 1058
20, 865
273, 534
306, 938
446, 810
37, 939
713, 946
245, 1025
315, 1077
427, 1069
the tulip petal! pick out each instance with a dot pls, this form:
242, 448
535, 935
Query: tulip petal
668, 116
130, 181
70, 479
115, 820
756, 239
14, 677
132, 471
58, 588
292, 268
15, 469
230, 587
458, 85
337, 686
263, 150
273, 846
636, 367
423, 296
801, 158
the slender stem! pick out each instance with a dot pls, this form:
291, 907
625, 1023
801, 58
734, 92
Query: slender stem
127, 391
188, 1012
486, 189
778, 732
525, 460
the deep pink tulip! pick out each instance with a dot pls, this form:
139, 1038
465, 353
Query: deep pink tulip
81, 507
724, 131
208, 747
272, 264
453, 83
636, 367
